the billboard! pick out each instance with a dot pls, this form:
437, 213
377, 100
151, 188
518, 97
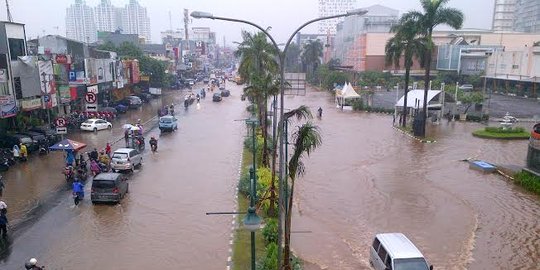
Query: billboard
8, 106
46, 76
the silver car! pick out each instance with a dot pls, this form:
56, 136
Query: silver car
125, 159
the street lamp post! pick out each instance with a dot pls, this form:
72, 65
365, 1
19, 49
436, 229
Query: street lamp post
45, 81
282, 54
252, 222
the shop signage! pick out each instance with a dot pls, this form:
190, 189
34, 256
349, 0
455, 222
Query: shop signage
92, 89
31, 104
8, 106
3, 76
62, 59
65, 95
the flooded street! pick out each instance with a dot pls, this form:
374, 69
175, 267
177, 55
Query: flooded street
368, 178
161, 223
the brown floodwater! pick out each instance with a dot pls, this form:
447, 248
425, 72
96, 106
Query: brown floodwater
161, 224
368, 178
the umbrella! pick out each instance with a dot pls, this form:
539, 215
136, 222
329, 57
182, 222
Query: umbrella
67, 144
135, 128
127, 126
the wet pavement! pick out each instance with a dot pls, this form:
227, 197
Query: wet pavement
368, 178
161, 223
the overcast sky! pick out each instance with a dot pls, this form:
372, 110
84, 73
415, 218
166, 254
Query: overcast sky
284, 16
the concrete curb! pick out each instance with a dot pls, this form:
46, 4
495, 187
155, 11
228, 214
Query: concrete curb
412, 136
233, 222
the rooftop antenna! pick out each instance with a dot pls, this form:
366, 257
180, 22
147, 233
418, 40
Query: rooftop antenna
10, 19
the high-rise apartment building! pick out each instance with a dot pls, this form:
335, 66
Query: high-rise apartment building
135, 20
333, 7
527, 14
80, 22
503, 15
83, 22
105, 15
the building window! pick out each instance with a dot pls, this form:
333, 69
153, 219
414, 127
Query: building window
16, 48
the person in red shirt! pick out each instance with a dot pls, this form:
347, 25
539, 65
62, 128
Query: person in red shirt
108, 150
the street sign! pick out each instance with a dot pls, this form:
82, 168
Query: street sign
90, 98
60, 122
91, 108
61, 130
46, 98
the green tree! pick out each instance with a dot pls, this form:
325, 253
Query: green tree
292, 59
406, 44
311, 56
434, 13
306, 139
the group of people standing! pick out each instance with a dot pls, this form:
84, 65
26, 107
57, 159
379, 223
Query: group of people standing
134, 137
166, 110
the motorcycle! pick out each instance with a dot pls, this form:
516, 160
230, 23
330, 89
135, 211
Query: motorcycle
103, 167
43, 150
4, 165
153, 147
77, 197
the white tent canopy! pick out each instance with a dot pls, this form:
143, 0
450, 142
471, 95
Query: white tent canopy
418, 96
349, 92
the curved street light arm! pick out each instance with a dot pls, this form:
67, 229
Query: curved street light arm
250, 23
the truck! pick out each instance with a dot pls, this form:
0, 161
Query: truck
155, 91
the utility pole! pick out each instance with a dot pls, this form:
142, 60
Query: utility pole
170, 21
10, 19
186, 26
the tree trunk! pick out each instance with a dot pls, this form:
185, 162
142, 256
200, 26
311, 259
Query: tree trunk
288, 218
265, 132
405, 109
426, 87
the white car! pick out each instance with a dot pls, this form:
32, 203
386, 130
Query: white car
95, 125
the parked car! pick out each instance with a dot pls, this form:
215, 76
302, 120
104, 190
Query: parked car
133, 102
8, 141
216, 97
225, 93
109, 109
396, 251
121, 108
145, 97
206, 80
126, 159
168, 123
109, 187
36, 137
31, 146
49, 133
95, 124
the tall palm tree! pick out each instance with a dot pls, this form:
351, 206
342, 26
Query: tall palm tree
312, 54
408, 45
306, 139
258, 66
434, 13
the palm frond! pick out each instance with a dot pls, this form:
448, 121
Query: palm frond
300, 113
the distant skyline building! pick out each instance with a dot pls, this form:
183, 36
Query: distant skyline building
135, 20
80, 22
333, 7
527, 16
83, 22
503, 15
106, 16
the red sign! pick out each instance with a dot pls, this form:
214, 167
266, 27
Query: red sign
60, 122
90, 98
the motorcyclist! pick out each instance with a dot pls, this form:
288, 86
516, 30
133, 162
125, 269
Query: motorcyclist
171, 109
32, 265
104, 158
78, 188
93, 155
198, 98
320, 112
153, 143
23, 152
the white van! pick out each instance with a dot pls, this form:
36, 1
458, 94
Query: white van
394, 251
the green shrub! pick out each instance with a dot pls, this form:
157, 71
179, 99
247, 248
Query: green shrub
358, 104
528, 180
244, 184
476, 118
270, 259
270, 231
505, 130
264, 182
